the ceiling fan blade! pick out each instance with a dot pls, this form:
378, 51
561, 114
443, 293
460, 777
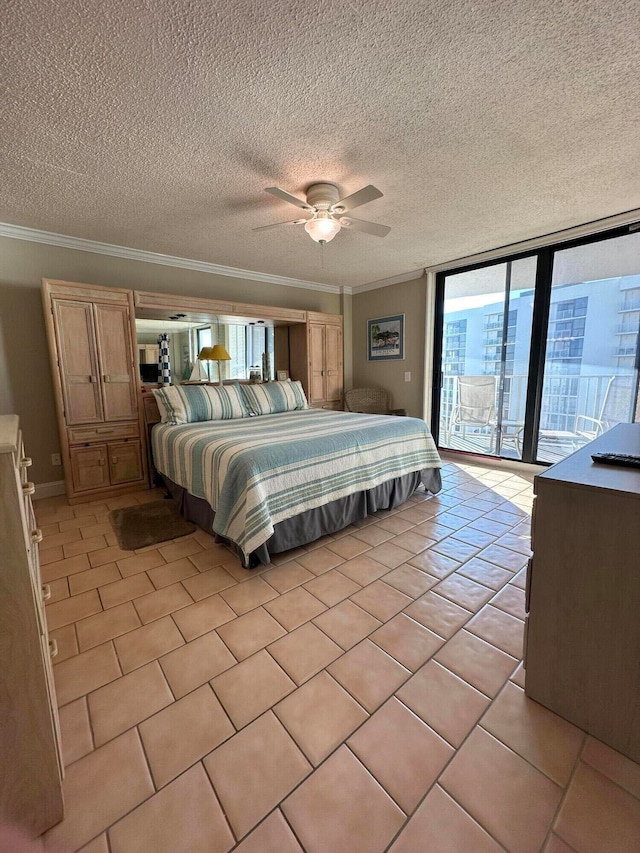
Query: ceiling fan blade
362, 225
363, 196
285, 196
277, 224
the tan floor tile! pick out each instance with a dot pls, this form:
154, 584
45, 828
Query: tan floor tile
320, 560
451, 519
182, 548
108, 555
106, 625
246, 596
363, 570
147, 643
209, 583
498, 628
438, 614
71, 609
304, 652
511, 600
104, 529
124, 703
213, 555
410, 581
485, 573
172, 573
441, 826
90, 508
57, 540
389, 555
372, 535
123, 776
463, 591
394, 525
489, 526
67, 642
84, 546
519, 542
157, 604
132, 587
503, 557
520, 579
83, 673
135, 563
250, 633
190, 666
413, 541
381, 600
75, 731
614, 765
247, 779
251, 687
434, 564
347, 624
98, 845
455, 549
181, 734
332, 587
272, 836
445, 702
369, 674
121, 501
518, 676
77, 523
365, 821
473, 536
597, 815
407, 641
401, 752
200, 618
479, 663
319, 716
50, 555
434, 529
294, 608
183, 816
546, 740
556, 845
288, 576
512, 800
348, 547
93, 578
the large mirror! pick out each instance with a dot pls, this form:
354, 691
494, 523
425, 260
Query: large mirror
244, 341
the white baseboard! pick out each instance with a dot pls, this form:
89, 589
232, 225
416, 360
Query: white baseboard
49, 490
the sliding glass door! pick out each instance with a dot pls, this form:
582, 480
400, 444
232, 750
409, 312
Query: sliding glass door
539, 354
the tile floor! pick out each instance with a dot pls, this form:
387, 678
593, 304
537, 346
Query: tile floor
360, 694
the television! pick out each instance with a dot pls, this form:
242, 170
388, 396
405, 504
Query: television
149, 372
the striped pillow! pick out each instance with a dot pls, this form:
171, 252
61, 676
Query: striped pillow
186, 404
273, 397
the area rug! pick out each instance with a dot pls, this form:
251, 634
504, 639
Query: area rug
139, 526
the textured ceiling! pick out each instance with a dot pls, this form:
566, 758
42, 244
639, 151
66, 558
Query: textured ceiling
156, 124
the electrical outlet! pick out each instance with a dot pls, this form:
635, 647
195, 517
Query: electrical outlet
407, 376
55, 459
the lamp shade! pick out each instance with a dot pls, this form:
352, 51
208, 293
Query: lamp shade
206, 354
218, 353
322, 228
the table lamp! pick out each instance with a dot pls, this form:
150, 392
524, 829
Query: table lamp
219, 353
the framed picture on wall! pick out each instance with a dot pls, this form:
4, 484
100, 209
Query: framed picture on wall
385, 338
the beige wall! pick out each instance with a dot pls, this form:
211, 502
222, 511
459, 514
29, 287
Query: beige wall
25, 373
408, 298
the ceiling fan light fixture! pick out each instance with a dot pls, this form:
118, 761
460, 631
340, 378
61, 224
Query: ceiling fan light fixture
322, 228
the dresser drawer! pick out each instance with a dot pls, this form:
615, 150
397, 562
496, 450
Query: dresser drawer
81, 435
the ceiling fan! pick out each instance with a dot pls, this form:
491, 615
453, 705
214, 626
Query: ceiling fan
328, 211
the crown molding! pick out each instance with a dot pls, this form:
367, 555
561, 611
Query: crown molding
18, 232
386, 282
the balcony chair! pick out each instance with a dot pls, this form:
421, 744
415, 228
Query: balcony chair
475, 407
371, 401
616, 408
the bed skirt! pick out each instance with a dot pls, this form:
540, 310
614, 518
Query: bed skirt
314, 523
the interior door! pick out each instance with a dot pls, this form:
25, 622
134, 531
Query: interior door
316, 367
113, 333
78, 361
333, 363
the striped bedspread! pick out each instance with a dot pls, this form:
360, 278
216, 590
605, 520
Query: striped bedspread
256, 472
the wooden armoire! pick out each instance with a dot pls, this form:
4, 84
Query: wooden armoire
315, 356
91, 332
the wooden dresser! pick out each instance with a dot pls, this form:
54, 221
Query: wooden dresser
582, 640
30, 757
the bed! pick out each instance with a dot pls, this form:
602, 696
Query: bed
266, 481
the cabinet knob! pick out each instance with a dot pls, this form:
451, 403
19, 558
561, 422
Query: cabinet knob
93, 379
36, 536
28, 488
114, 460
53, 648
26, 462
46, 592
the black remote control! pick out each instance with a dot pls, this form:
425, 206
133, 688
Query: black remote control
629, 460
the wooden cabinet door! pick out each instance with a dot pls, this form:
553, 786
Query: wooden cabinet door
89, 467
316, 363
333, 364
113, 334
125, 462
78, 361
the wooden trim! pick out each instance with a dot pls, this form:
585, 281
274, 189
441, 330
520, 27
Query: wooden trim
326, 319
94, 292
